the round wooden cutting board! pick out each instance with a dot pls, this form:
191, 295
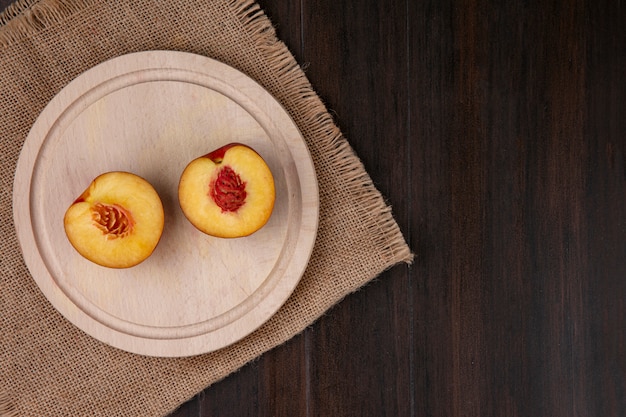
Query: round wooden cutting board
151, 113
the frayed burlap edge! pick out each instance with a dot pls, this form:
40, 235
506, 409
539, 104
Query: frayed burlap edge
314, 113
25, 17
14, 9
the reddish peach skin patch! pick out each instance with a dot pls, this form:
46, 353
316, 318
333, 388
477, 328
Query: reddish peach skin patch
117, 221
227, 193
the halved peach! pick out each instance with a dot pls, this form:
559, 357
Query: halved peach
117, 221
227, 193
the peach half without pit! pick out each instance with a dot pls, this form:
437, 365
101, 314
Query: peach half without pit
117, 221
227, 193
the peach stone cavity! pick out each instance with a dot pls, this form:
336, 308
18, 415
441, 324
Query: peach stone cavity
113, 220
227, 193
117, 221
228, 190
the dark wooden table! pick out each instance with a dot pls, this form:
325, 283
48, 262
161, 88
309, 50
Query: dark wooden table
497, 131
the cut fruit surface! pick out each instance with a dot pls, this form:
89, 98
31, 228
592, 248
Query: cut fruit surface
227, 193
117, 221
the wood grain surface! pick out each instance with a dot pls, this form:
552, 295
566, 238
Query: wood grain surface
497, 132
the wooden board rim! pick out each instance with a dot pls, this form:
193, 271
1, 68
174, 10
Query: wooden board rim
113, 75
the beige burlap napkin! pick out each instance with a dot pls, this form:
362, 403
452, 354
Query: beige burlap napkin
48, 367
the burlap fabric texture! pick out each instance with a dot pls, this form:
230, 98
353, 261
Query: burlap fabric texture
48, 367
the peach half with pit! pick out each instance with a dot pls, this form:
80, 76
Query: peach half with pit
117, 221
228, 192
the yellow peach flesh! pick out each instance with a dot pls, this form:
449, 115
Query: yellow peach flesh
203, 212
137, 199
